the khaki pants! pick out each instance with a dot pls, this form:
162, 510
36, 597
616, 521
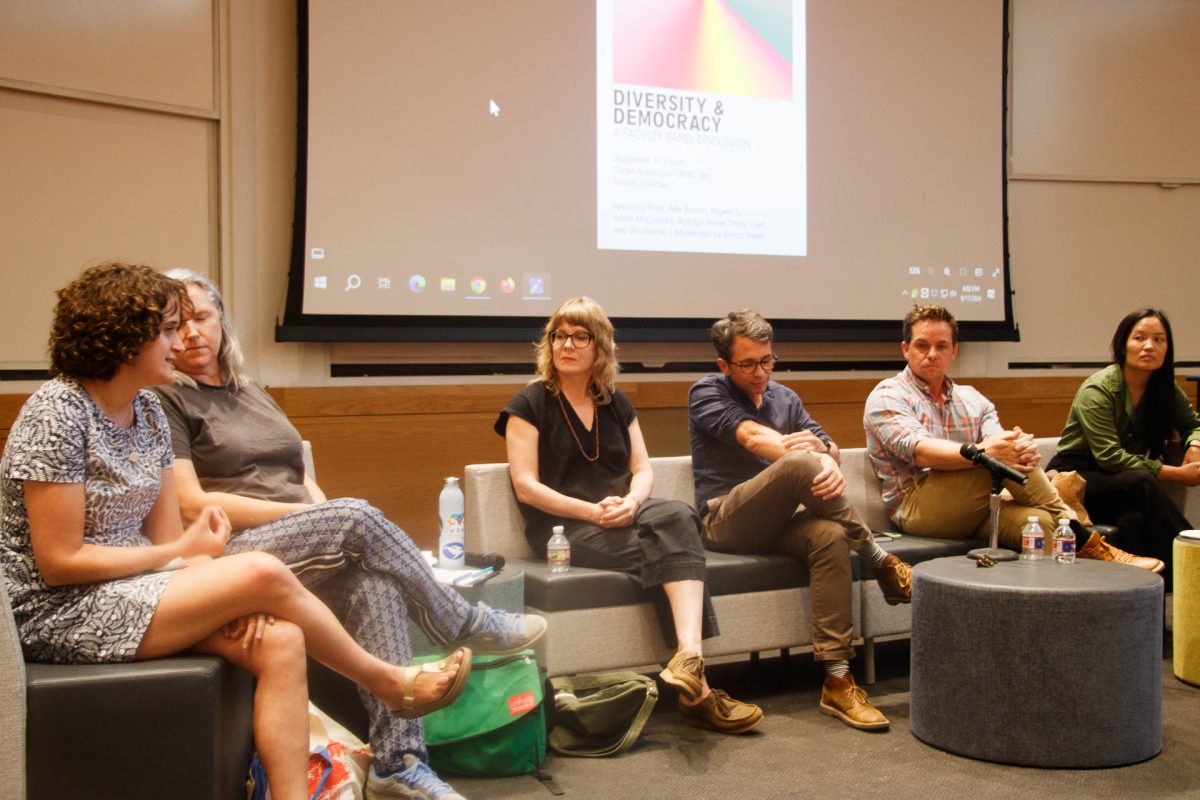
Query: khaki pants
776, 512
954, 504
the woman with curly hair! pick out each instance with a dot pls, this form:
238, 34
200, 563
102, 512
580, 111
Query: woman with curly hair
577, 459
100, 567
1120, 433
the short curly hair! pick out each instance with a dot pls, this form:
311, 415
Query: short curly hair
105, 316
929, 313
743, 322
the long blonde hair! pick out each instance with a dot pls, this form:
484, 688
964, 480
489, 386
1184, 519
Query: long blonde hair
587, 314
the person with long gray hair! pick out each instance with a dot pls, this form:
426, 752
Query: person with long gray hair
235, 448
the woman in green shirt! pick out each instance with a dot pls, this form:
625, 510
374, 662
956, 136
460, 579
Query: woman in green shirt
1122, 435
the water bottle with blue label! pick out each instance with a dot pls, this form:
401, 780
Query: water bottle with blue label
1033, 541
1064, 543
451, 543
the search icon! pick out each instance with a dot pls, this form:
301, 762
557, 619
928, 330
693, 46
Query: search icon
353, 282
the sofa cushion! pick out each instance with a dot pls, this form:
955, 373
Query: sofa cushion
177, 727
728, 573
915, 549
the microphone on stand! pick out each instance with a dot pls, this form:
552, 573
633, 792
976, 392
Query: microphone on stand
998, 468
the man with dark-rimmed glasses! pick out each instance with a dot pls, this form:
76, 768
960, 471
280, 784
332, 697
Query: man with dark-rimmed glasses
768, 480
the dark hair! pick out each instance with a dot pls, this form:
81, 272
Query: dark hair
929, 313
1158, 403
742, 322
105, 315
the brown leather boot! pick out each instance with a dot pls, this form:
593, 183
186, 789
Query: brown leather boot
1100, 550
895, 580
721, 713
846, 700
686, 673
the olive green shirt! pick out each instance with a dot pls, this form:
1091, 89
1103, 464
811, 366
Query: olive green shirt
1104, 422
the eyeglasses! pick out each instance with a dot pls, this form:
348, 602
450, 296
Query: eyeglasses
748, 367
580, 339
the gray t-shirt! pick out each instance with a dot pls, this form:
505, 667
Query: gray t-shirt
239, 442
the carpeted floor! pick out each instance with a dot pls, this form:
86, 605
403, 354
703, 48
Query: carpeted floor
797, 752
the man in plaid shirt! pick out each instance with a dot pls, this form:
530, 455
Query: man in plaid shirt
917, 421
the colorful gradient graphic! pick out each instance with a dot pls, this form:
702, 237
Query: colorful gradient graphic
736, 47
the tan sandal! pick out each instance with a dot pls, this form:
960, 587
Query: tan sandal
410, 708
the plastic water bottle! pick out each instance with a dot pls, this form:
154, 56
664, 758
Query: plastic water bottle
558, 551
451, 544
1064, 543
1033, 539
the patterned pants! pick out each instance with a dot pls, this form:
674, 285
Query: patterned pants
374, 578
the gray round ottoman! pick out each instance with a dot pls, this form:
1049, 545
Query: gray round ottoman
1037, 663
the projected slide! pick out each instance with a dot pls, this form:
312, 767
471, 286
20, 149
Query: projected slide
470, 165
701, 126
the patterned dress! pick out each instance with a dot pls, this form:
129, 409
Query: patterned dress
61, 436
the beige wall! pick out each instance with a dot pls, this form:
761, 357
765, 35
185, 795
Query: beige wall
176, 166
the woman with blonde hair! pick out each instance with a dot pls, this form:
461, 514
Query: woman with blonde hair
578, 459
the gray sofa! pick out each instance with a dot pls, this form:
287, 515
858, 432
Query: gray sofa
603, 620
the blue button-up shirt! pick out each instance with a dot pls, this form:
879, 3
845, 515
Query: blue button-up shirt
715, 409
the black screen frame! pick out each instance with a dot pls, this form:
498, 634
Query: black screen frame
297, 326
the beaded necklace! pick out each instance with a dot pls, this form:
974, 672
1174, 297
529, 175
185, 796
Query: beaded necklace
575, 436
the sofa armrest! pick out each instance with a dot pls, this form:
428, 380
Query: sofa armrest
12, 702
493, 522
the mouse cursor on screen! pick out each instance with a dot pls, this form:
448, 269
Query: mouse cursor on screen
493, 109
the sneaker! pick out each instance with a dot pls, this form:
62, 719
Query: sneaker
895, 580
846, 700
685, 672
415, 782
721, 713
500, 633
1100, 550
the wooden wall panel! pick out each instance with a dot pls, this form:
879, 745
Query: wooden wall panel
392, 445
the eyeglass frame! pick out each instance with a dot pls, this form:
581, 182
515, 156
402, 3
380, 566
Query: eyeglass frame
748, 368
558, 344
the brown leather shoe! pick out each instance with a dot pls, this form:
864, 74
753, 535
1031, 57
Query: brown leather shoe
685, 672
721, 713
1100, 550
895, 580
846, 700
